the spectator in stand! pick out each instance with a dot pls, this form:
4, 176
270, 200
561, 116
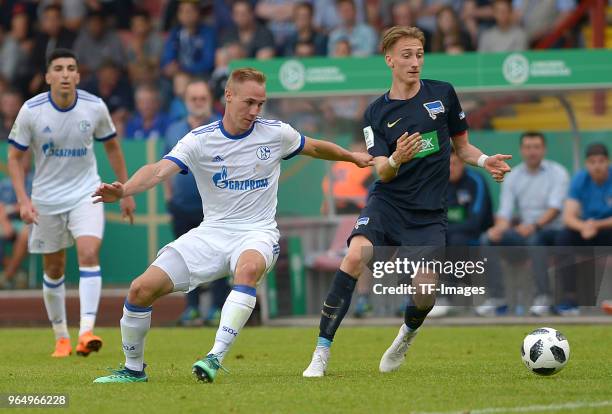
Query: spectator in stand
449, 31
149, 122
539, 18
255, 38
304, 49
505, 36
145, 44
477, 16
223, 57
51, 35
427, 11
97, 43
10, 103
362, 37
191, 45
327, 18
114, 89
177, 108
279, 17
401, 13
20, 46
305, 32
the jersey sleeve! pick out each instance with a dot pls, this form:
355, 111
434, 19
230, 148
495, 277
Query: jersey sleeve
105, 129
292, 142
21, 132
457, 123
576, 186
375, 141
184, 153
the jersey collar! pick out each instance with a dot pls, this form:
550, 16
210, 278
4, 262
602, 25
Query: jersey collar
239, 136
76, 98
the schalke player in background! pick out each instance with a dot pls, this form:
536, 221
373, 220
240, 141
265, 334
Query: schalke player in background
408, 131
236, 165
61, 126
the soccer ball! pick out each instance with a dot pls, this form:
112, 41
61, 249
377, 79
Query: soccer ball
545, 351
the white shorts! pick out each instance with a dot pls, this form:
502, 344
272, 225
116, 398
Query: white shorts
208, 253
58, 231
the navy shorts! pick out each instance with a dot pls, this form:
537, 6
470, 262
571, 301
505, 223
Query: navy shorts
385, 225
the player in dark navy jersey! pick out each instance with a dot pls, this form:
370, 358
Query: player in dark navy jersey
409, 130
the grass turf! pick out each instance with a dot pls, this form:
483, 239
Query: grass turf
448, 369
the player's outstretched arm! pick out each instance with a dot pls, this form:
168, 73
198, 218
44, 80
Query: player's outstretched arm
495, 164
326, 150
146, 177
117, 162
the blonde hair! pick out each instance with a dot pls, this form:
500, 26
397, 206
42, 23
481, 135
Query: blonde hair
396, 33
245, 74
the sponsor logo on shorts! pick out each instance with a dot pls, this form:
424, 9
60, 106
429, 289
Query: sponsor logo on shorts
362, 221
434, 108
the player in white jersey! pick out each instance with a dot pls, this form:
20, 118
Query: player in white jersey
60, 127
236, 164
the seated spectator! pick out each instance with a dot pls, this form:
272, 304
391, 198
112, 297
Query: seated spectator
98, 43
148, 122
177, 109
255, 38
477, 16
428, 10
449, 30
304, 49
470, 209
145, 44
587, 217
536, 188
326, 16
505, 36
305, 32
114, 89
539, 18
362, 37
279, 17
10, 104
190, 46
342, 48
20, 47
52, 34
223, 57
72, 12
401, 13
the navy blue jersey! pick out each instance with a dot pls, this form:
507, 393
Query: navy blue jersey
435, 112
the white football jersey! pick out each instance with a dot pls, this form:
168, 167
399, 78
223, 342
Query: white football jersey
62, 145
237, 176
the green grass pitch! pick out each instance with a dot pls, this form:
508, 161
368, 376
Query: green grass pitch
449, 369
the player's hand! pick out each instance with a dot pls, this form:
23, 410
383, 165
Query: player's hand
28, 213
407, 147
128, 206
589, 230
362, 159
525, 230
108, 193
497, 167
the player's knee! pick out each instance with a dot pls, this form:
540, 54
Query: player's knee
54, 270
140, 294
353, 262
247, 273
88, 256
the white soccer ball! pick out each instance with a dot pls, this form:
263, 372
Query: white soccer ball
545, 351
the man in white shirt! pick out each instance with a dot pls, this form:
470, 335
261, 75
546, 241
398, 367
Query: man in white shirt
236, 165
60, 127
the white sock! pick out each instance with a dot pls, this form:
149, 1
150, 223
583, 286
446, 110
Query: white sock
135, 324
54, 295
90, 287
235, 313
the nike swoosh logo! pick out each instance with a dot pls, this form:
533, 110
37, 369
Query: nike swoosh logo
392, 124
333, 307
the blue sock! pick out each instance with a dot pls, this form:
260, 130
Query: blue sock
337, 304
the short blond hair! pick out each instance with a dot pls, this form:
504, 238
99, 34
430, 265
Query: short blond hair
396, 33
245, 74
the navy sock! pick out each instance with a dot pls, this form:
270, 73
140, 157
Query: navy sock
193, 298
337, 304
413, 316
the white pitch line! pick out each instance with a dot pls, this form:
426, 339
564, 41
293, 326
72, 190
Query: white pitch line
526, 409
